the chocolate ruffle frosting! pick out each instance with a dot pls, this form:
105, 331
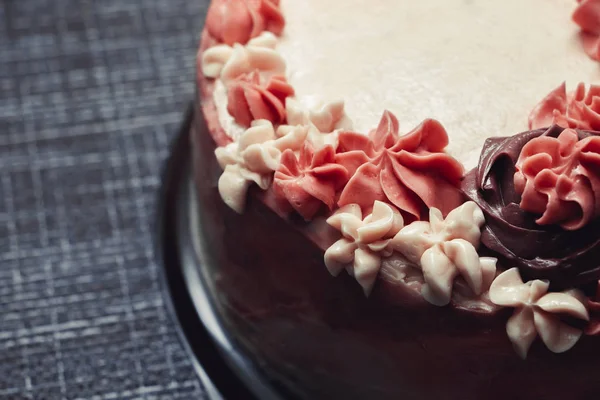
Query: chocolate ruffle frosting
565, 258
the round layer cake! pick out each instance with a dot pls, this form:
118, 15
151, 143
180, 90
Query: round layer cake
402, 198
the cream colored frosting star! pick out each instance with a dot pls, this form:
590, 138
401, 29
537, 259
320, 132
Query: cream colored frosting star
254, 158
227, 62
445, 249
325, 120
536, 312
365, 241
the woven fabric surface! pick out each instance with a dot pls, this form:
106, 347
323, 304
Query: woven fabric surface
91, 94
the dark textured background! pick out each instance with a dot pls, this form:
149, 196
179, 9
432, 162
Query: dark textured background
91, 93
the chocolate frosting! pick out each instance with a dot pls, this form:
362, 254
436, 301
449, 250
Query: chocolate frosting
566, 258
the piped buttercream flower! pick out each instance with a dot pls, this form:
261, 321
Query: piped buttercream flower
227, 63
593, 305
326, 117
365, 241
309, 181
325, 120
559, 179
412, 171
587, 16
237, 21
253, 158
564, 257
446, 249
578, 109
537, 312
250, 98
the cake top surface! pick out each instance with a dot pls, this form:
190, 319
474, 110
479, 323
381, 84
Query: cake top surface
478, 67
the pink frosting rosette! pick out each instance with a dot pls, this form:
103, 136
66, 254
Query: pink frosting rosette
249, 99
587, 16
558, 178
238, 21
309, 181
593, 305
412, 171
578, 109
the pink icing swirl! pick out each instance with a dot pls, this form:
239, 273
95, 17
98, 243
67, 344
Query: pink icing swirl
578, 109
309, 181
559, 178
249, 99
238, 21
587, 16
411, 171
593, 305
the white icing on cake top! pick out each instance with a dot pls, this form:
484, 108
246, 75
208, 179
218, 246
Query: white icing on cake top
477, 66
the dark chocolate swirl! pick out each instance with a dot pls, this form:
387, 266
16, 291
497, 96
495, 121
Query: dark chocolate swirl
565, 258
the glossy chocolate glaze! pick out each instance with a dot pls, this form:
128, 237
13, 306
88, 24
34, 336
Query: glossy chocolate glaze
566, 258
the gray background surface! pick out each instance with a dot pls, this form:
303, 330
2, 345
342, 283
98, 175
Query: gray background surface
91, 93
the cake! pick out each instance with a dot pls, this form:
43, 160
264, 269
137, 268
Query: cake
402, 198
